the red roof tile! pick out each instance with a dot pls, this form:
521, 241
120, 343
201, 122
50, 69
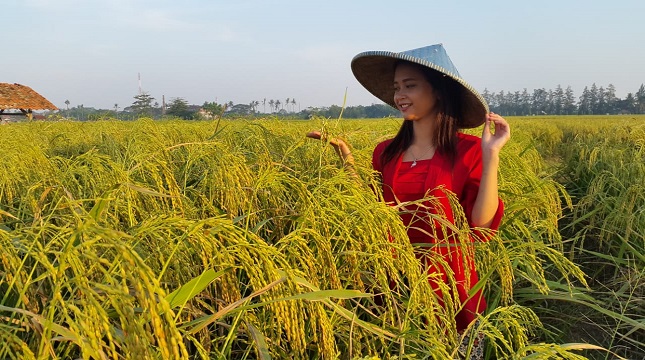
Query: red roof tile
16, 96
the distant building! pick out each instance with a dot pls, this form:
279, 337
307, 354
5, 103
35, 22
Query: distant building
17, 97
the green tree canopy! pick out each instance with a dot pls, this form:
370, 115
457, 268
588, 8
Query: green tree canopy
212, 109
142, 105
179, 107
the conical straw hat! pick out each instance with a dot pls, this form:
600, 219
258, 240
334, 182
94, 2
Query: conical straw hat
375, 71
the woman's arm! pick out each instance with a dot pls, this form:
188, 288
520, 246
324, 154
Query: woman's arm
487, 197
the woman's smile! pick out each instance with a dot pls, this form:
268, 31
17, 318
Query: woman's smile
413, 94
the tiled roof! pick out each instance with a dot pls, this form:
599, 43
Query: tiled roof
16, 96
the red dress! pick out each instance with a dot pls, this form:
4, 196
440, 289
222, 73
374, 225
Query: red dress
405, 182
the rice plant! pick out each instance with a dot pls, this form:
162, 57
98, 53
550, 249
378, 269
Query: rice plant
243, 239
600, 164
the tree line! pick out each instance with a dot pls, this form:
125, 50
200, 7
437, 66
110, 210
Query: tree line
594, 100
145, 105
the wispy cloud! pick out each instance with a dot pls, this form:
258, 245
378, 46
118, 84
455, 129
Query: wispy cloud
51, 4
161, 20
323, 53
100, 50
167, 19
160, 16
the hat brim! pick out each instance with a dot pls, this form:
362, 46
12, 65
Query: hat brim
375, 71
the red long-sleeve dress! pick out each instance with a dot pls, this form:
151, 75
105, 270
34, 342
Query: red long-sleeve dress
403, 182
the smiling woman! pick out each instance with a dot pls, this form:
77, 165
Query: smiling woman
429, 162
413, 87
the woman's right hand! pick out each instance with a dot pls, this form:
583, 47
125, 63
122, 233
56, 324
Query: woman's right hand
341, 147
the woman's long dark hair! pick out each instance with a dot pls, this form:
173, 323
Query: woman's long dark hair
445, 130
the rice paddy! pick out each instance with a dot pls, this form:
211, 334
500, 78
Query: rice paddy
243, 239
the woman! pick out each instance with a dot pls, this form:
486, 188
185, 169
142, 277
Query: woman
430, 157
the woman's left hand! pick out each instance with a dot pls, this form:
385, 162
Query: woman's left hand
493, 141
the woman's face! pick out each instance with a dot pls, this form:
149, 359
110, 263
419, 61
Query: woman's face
413, 94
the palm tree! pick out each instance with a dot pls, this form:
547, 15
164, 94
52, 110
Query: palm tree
264, 105
254, 104
287, 104
271, 103
277, 104
293, 102
67, 105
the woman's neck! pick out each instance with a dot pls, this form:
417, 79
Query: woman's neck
423, 130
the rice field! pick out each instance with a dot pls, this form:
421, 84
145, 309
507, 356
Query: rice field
243, 239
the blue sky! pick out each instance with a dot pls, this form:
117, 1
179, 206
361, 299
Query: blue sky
90, 51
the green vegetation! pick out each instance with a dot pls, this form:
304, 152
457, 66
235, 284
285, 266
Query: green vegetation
244, 239
594, 100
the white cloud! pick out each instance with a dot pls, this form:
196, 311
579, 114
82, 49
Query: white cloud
51, 4
161, 20
157, 19
323, 54
101, 50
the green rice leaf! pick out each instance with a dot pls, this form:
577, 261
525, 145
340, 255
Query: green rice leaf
187, 291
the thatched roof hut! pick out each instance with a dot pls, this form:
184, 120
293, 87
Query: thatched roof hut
16, 96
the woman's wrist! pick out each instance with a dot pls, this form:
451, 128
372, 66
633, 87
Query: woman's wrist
490, 156
490, 163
